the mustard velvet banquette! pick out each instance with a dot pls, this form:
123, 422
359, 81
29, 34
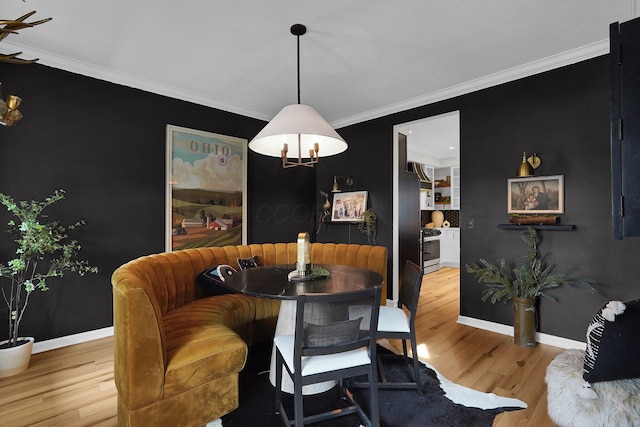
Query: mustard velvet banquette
178, 353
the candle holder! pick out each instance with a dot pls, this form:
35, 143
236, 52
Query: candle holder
303, 266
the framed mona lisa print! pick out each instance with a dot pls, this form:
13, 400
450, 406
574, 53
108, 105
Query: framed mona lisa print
536, 195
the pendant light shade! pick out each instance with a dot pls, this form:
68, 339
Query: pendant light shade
298, 131
293, 121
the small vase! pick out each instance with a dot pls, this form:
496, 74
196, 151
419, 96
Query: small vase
14, 360
524, 321
437, 217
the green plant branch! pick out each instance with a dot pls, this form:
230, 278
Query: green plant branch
530, 280
43, 251
368, 225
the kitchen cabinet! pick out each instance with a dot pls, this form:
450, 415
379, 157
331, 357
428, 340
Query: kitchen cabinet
450, 247
408, 218
447, 188
455, 188
426, 189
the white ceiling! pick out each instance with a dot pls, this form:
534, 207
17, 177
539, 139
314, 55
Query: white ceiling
360, 59
434, 140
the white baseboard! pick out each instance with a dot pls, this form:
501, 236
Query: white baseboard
508, 330
500, 328
39, 347
450, 264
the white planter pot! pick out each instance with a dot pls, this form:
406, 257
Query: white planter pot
14, 360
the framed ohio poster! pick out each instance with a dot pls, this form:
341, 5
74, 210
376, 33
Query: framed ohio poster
206, 189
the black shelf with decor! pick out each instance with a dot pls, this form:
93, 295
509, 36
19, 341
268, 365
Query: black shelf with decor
555, 227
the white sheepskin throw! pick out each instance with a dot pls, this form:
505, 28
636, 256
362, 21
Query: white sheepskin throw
573, 402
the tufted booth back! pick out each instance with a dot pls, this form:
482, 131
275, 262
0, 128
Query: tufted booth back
170, 276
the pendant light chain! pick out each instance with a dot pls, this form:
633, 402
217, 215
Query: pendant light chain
298, 30
298, 39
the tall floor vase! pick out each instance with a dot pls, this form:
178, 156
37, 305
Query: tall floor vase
524, 321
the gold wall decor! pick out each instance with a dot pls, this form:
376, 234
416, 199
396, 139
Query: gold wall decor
11, 26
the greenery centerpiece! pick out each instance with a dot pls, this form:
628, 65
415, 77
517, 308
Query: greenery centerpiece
524, 284
43, 251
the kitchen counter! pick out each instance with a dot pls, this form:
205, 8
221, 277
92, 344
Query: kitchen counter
450, 247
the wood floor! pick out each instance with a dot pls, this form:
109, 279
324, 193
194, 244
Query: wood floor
485, 361
73, 386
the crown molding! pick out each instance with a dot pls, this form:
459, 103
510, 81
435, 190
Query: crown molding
89, 70
526, 70
556, 61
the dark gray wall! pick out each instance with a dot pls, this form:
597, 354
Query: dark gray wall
563, 115
369, 162
105, 144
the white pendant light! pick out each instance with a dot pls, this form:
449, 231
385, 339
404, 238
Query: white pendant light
298, 133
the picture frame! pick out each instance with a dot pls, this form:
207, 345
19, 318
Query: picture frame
349, 206
206, 189
536, 195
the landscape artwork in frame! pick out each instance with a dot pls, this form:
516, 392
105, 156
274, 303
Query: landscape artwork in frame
536, 195
206, 190
348, 207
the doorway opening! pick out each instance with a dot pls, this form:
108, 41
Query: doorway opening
434, 143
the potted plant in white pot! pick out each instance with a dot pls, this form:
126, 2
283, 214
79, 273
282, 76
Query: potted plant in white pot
523, 285
43, 251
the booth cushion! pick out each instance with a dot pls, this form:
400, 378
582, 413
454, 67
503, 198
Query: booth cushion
200, 335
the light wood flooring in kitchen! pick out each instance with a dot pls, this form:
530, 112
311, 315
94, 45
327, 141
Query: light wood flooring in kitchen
73, 386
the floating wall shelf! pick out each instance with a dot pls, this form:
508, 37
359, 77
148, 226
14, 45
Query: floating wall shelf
555, 227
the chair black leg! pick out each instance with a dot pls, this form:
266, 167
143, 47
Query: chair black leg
416, 364
404, 349
374, 408
278, 379
298, 401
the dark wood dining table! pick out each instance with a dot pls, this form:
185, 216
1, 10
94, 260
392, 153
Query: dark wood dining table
273, 282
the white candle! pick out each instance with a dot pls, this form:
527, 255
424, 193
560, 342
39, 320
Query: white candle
303, 253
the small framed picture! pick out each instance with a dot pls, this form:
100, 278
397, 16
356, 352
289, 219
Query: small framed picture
348, 207
536, 195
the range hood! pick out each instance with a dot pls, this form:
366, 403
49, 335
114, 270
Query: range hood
417, 168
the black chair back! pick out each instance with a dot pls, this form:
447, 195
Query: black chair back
334, 323
410, 288
328, 324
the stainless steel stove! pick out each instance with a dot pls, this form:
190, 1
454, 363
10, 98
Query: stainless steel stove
430, 250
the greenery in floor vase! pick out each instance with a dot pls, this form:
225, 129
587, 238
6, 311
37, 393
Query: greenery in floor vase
530, 280
44, 251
